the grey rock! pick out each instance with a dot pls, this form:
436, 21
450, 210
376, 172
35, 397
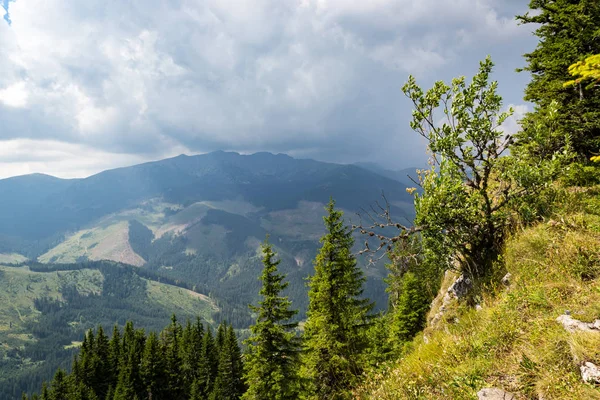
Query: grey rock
573, 325
590, 373
461, 287
494, 394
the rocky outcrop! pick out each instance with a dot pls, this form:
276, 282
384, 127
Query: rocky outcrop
590, 373
494, 394
573, 325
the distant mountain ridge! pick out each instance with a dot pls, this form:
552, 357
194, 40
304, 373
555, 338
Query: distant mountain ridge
38, 206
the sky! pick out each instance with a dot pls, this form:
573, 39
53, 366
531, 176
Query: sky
91, 85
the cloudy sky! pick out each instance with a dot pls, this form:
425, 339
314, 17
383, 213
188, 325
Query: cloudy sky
87, 85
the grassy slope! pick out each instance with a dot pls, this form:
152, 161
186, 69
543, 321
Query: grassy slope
514, 342
99, 243
20, 286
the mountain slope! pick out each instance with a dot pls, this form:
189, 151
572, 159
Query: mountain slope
198, 219
44, 312
274, 182
515, 342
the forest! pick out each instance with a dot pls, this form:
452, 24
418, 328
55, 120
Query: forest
483, 187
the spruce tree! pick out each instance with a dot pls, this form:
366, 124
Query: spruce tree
337, 317
60, 386
568, 32
114, 358
172, 339
101, 364
207, 366
272, 359
152, 369
229, 384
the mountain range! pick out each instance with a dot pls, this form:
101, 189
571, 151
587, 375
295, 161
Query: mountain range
196, 222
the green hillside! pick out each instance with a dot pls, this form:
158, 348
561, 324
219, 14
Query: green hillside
514, 341
45, 310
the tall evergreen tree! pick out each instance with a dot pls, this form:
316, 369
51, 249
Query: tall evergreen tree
207, 366
229, 384
101, 364
337, 317
153, 369
60, 386
569, 31
172, 341
272, 359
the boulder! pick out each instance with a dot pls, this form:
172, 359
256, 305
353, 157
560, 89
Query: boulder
590, 373
573, 325
506, 280
494, 394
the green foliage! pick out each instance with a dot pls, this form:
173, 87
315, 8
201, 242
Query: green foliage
408, 315
335, 330
462, 209
133, 365
568, 32
229, 384
272, 359
514, 341
578, 174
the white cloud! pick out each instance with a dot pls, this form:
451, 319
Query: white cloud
61, 159
311, 77
14, 95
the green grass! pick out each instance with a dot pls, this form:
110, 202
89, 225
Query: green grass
181, 301
514, 342
20, 286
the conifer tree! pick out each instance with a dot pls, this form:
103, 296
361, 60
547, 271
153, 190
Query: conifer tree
172, 340
101, 364
114, 358
60, 386
152, 369
337, 317
568, 32
207, 366
272, 359
229, 384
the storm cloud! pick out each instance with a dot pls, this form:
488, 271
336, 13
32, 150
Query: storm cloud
95, 84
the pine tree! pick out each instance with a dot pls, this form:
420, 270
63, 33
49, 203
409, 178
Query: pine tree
229, 384
45, 392
408, 315
152, 369
207, 366
272, 360
101, 364
60, 386
172, 341
568, 32
114, 358
337, 317
129, 382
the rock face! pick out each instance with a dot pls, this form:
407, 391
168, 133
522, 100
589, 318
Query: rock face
590, 373
461, 287
494, 394
573, 325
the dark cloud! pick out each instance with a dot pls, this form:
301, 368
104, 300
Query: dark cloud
316, 78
